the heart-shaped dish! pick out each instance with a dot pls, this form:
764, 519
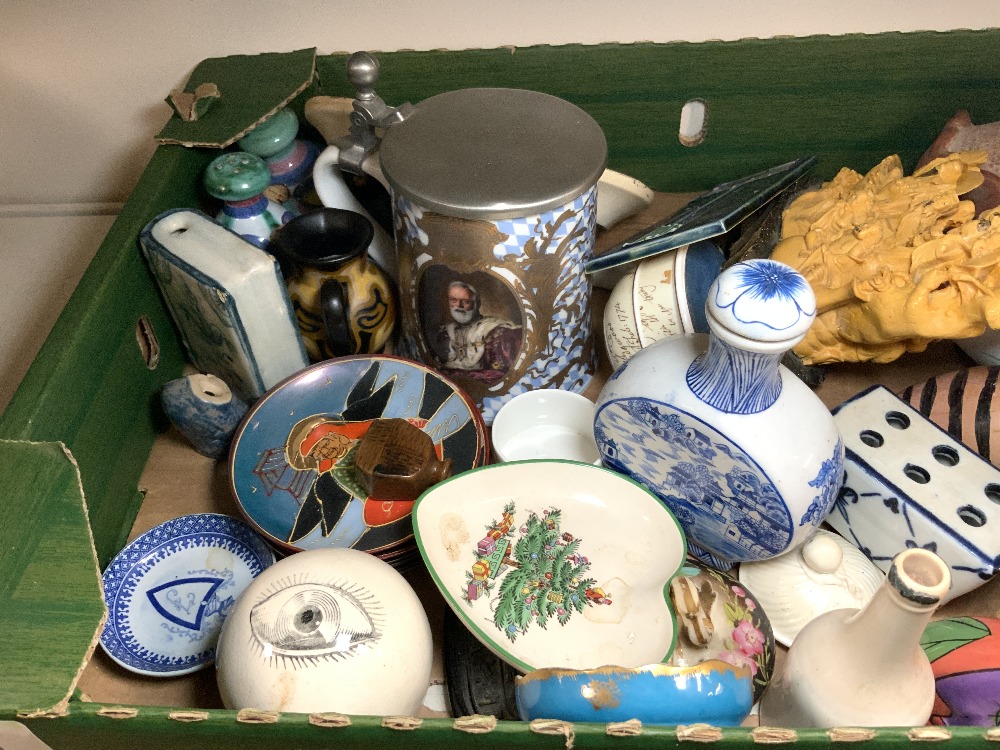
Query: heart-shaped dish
554, 563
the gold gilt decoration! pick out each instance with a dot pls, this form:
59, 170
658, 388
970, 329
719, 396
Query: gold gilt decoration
534, 281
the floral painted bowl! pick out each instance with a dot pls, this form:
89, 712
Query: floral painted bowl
554, 563
719, 618
712, 692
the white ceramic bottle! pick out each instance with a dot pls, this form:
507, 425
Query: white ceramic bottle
864, 667
744, 453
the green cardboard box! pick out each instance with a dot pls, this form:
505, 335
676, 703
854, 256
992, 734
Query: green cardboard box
76, 438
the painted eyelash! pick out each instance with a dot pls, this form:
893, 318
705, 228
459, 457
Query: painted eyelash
303, 622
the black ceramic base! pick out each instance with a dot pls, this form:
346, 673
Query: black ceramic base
478, 681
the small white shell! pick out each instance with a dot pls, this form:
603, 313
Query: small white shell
824, 574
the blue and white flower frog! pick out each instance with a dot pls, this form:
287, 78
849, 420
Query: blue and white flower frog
744, 453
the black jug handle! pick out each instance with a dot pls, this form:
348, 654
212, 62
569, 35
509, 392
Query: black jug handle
336, 317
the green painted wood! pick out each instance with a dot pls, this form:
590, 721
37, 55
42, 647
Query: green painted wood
89, 387
848, 100
50, 595
83, 726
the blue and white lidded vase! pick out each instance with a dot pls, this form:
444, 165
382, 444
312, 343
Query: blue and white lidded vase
745, 455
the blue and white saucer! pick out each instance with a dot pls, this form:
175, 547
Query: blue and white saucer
169, 591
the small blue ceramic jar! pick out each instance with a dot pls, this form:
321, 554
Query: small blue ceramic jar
203, 408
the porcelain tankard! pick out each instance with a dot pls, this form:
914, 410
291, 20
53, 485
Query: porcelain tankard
494, 195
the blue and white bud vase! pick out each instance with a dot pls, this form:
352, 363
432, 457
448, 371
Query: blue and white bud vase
204, 409
744, 454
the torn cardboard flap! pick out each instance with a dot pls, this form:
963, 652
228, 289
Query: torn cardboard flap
246, 93
189, 106
51, 601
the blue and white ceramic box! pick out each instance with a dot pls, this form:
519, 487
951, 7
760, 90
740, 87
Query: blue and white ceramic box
908, 483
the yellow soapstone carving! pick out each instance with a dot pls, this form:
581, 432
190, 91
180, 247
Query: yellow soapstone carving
896, 262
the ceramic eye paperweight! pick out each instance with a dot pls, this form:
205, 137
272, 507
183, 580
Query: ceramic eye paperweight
908, 483
327, 630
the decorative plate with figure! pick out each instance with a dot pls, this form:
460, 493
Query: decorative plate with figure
294, 464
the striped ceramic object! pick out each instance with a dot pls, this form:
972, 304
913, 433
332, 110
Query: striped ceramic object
962, 403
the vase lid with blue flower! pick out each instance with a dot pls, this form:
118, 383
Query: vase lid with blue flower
747, 457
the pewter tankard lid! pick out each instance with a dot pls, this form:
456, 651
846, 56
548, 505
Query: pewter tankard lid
493, 153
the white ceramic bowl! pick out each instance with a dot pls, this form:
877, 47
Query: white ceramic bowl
326, 630
546, 423
554, 563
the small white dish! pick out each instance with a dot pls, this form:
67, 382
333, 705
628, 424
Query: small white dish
546, 423
170, 590
554, 563
826, 573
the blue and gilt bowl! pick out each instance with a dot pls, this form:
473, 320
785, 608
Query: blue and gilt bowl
712, 692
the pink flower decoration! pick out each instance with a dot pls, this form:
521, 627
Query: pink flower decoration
748, 638
739, 659
751, 606
738, 590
